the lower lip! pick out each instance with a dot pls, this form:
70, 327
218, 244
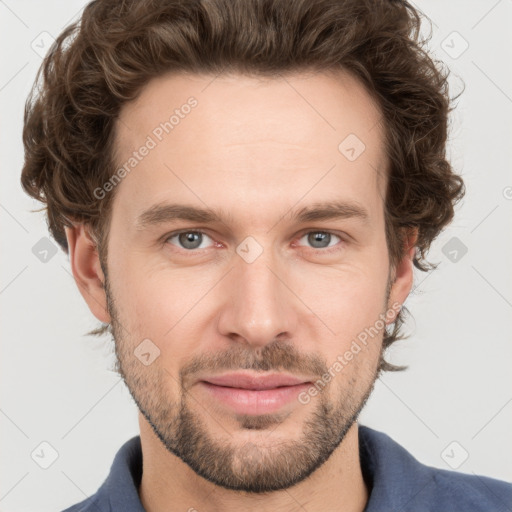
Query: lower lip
250, 401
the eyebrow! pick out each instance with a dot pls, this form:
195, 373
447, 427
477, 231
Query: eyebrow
167, 212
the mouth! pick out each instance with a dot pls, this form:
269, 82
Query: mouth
254, 394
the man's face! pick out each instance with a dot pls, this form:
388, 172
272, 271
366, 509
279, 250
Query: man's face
259, 291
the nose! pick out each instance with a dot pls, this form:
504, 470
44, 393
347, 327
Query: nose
261, 307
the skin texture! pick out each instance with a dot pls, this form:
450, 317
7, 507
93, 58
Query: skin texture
258, 150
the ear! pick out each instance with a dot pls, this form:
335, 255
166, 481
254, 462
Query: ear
403, 274
86, 268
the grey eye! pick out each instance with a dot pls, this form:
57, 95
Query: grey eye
189, 240
320, 239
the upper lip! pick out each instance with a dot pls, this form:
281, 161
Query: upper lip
254, 381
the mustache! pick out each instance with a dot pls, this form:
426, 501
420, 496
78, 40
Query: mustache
276, 356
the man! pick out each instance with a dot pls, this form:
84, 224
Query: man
243, 188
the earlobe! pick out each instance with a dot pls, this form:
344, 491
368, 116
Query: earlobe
86, 268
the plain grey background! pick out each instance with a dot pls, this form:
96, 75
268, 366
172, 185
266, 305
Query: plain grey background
451, 409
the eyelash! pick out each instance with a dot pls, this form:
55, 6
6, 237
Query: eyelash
302, 234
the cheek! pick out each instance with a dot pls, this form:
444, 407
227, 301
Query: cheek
165, 305
347, 299
350, 302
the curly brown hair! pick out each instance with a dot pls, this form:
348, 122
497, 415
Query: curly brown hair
104, 60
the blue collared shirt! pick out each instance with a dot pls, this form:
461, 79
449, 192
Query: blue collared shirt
396, 481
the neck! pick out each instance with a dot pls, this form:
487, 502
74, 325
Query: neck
166, 480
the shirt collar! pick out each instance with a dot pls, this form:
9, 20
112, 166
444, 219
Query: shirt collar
395, 479
393, 476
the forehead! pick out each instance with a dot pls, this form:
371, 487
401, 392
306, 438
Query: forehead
251, 139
